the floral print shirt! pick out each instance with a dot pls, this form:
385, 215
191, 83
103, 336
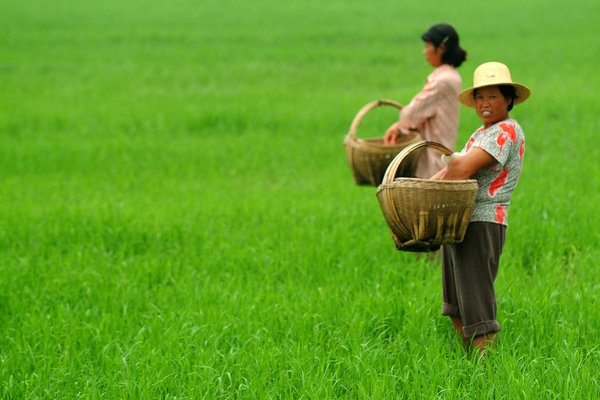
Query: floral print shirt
505, 141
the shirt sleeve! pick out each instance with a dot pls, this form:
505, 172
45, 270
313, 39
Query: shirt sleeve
498, 141
421, 107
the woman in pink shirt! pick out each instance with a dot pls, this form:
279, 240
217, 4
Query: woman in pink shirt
435, 110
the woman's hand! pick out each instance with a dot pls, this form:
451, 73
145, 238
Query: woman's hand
392, 135
440, 174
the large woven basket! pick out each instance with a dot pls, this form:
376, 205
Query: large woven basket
369, 158
422, 213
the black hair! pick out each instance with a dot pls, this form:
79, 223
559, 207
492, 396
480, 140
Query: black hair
444, 34
508, 92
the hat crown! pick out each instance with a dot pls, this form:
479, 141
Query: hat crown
491, 73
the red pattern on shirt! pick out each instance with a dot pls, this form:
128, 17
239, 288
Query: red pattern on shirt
470, 143
498, 182
508, 132
522, 149
509, 129
500, 213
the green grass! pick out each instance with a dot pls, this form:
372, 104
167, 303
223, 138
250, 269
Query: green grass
177, 218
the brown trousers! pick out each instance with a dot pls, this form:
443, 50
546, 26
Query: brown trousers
469, 270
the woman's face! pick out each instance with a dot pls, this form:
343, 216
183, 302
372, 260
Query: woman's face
433, 54
490, 104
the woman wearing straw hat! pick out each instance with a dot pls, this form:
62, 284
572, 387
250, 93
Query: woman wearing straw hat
435, 110
493, 156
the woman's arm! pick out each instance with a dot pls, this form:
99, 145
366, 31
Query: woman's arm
466, 166
421, 108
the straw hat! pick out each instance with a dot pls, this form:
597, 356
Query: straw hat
491, 74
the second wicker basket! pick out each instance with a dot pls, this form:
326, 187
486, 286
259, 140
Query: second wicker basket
369, 158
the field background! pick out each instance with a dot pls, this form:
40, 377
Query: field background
177, 218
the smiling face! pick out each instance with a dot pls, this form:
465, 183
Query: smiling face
433, 54
491, 105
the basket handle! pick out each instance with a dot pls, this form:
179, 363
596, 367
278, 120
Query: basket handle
390, 172
363, 111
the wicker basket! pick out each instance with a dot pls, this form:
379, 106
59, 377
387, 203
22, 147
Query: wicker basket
369, 158
422, 213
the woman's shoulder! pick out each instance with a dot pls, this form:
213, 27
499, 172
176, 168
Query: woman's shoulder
445, 75
446, 70
510, 124
508, 127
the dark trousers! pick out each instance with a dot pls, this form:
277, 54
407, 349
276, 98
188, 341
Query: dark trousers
469, 270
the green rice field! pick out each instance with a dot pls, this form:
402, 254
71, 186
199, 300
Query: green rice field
178, 219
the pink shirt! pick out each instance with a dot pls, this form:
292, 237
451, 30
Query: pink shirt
435, 112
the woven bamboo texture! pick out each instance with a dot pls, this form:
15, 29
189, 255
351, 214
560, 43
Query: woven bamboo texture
423, 214
369, 158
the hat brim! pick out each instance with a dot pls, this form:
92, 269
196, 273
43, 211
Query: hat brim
522, 92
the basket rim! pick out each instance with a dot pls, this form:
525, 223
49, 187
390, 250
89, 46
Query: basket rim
390, 173
411, 179
365, 109
376, 143
465, 185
